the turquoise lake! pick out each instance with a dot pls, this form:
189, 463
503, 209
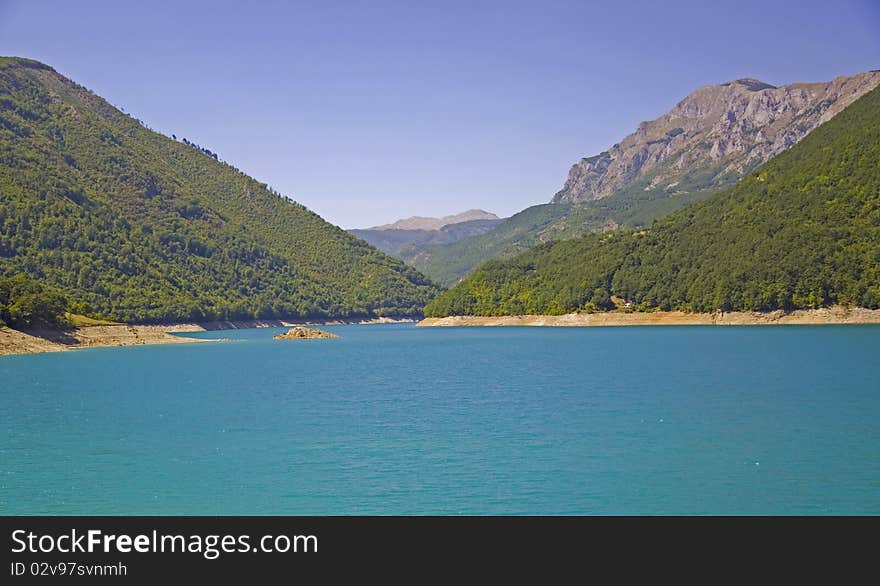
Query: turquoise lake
395, 419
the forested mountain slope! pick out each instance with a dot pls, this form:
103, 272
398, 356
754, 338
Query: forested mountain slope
801, 231
130, 224
707, 142
406, 243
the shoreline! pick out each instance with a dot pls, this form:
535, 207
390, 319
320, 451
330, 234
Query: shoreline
45, 339
826, 315
218, 325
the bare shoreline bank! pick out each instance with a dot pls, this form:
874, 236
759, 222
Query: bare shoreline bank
829, 315
40, 340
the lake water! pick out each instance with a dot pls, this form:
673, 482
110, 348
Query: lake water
394, 419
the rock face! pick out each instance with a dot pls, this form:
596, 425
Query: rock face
712, 137
300, 333
425, 223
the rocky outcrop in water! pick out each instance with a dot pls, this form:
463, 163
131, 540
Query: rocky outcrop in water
301, 333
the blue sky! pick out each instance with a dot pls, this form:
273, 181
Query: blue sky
371, 111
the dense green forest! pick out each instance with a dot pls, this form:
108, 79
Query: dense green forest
132, 225
406, 243
631, 207
448, 263
24, 301
801, 231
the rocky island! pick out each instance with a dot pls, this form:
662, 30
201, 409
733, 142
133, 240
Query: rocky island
301, 333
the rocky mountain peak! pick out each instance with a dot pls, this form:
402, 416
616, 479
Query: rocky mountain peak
712, 137
750, 83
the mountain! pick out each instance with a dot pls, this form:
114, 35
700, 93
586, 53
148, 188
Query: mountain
712, 137
426, 223
129, 224
448, 263
405, 239
406, 244
801, 231
707, 142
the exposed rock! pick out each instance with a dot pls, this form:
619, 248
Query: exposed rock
825, 315
54, 339
301, 333
713, 136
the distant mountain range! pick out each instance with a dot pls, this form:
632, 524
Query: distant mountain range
800, 231
707, 142
427, 223
123, 223
405, 239
132, 225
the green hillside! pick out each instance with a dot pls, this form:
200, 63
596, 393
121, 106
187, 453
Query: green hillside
801, 231
129, 224
680, 158
405, 244
449, 263
630, 207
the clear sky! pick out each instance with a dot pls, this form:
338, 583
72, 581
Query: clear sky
371, 111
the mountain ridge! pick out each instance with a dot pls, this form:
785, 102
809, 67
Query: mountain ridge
731, 127
431, 223
801, 231
408, 244
666, 169
134, 226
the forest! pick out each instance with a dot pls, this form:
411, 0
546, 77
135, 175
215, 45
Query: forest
25, 302
800, 231
131, 225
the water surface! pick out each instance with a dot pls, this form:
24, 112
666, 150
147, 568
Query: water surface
394, 419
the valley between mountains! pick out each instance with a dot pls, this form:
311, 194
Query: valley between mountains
744, 199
